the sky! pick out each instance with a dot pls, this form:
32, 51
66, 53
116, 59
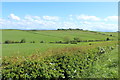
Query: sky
60, 0
95, 16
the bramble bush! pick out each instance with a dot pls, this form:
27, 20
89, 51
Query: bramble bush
67, 65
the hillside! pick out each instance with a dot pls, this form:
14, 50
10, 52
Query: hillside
47, 36
55, 35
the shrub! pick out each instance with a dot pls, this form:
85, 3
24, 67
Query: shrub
51, 42
23, 41
90, 40
107, 39
65, 42
90, 44
8, 42
42, 41
101, 50
77, 39
111, 35
58, 41
32, 42
73, 42
16, 42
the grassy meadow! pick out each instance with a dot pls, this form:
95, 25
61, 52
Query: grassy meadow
45, 55
47, 36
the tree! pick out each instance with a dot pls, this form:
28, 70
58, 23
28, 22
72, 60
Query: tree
73, 42
107, 39
8, 42
22, 41
77, 39
111, 35
32, 42
42, 42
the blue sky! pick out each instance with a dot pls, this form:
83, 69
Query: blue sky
97, 16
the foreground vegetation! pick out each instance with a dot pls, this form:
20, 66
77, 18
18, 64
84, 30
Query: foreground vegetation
96, 61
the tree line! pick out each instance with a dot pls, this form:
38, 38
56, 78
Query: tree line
66, 40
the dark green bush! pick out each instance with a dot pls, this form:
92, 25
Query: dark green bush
76, 39
42, 41
23, 41
58, 41
8, 42
32, 42
73, 42
107, 39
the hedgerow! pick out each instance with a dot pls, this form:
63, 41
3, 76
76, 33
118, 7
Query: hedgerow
77, 64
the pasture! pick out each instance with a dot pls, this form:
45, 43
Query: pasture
47, 36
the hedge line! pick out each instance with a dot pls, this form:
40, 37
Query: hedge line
62, 66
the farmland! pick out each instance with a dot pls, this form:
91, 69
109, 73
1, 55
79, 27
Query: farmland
48, 55
46, 36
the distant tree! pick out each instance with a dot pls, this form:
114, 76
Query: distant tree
42, 42
33, 30
81, 29
77, 39
16, 42
8, 42
73, 42
23, 41
70, 28
107, 39
32, 42
77, 29
58, 41
111, 35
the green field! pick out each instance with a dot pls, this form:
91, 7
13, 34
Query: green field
46, 60
46, 36
54, 35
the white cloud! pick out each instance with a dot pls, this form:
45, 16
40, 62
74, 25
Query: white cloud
1, 20
70, 17
86, 22
107, 27
37, 18
49, 22
12, 16
29, 18
99, 26
54, 18
69, 25
32, 18
86, 17
111, 18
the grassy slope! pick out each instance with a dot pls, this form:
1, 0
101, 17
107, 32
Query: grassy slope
48, 36
51, 35
29, 48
